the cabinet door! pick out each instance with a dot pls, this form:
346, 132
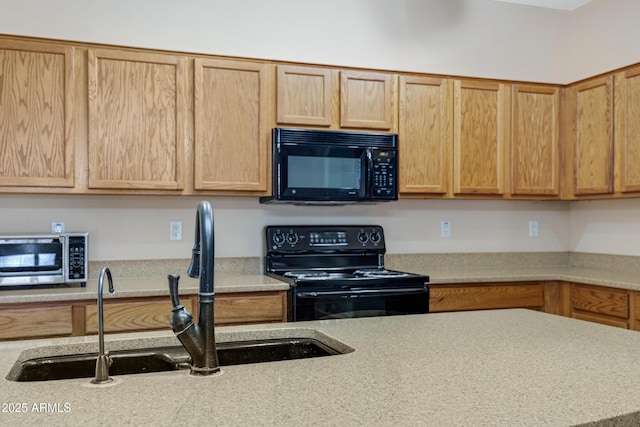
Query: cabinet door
593, 137
367, 100
425, 134
304, 95
22, 321
231, 125
535, 163
627, 130
36, 114
599, 304
137, 116
481, 132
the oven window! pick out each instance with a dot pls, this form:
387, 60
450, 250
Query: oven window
30, 257
324, 172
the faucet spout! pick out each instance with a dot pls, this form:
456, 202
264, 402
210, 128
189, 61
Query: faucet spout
103, 361
198, 338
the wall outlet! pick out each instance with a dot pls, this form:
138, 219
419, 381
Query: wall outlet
533, 228
445, 228
175, 230
57, 227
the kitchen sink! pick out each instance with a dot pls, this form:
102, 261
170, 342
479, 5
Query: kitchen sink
168, 358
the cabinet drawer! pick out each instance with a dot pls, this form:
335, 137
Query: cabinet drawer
133, 315
486, 296
239, 308
32, 322
609, 302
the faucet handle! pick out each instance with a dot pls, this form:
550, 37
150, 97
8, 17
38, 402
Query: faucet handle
173, 290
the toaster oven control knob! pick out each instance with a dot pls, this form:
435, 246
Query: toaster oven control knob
362, 237
278, 238
375, 237
292, 238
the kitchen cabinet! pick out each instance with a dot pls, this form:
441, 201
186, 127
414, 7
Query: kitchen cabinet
336, 99
598, 304
22, 321
535, 133
137, 120
305, 95
232, 125
36, 115
590, 140
627, 131
77, 318
425, 129
481, 136
486, 296
367, 100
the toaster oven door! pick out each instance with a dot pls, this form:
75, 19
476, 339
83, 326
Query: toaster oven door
31, 261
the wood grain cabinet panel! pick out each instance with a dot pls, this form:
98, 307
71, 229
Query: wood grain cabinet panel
593, 137
232, 133
599, 301
304, 95
481, 135
425, 134
137, 120
367, 100
133, 315
485, 296
250, 308
535, 132
34, 321
627, 131
36, 114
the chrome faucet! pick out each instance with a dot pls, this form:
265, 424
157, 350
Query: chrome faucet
198, 339
103, 361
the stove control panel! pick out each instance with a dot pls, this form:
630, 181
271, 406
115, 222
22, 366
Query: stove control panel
309, 238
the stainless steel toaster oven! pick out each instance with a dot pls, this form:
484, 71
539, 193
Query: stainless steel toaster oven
47, 259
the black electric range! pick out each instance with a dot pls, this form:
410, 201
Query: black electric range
338, 272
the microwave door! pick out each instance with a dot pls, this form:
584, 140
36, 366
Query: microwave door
322, 173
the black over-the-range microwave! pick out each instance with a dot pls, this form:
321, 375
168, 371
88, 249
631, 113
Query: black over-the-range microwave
333, 167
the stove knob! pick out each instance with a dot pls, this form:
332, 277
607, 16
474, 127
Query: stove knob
292, 238
278, 238
362, 237
375, 237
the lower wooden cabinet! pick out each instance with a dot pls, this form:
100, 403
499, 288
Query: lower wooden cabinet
599, 304
77, 318
485, 296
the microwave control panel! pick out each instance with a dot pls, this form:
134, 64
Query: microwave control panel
384, 174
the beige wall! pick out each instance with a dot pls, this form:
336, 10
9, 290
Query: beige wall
479, 38
138, 227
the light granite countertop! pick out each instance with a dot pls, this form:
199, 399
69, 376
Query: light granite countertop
486, 368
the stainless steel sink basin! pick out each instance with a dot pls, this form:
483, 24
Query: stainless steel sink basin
168, 358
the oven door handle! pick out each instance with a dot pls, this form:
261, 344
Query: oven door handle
354, 292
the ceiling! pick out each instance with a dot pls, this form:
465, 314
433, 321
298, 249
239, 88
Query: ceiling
551, 4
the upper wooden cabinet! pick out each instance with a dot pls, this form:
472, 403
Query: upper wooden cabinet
627, 131
590, 107
137, 120
335, 99
304, 95
367, 100
36, 114
232, 132
481, 135
425, 134
535, 132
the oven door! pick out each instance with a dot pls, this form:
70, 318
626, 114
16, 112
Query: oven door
309, 304
322, 173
